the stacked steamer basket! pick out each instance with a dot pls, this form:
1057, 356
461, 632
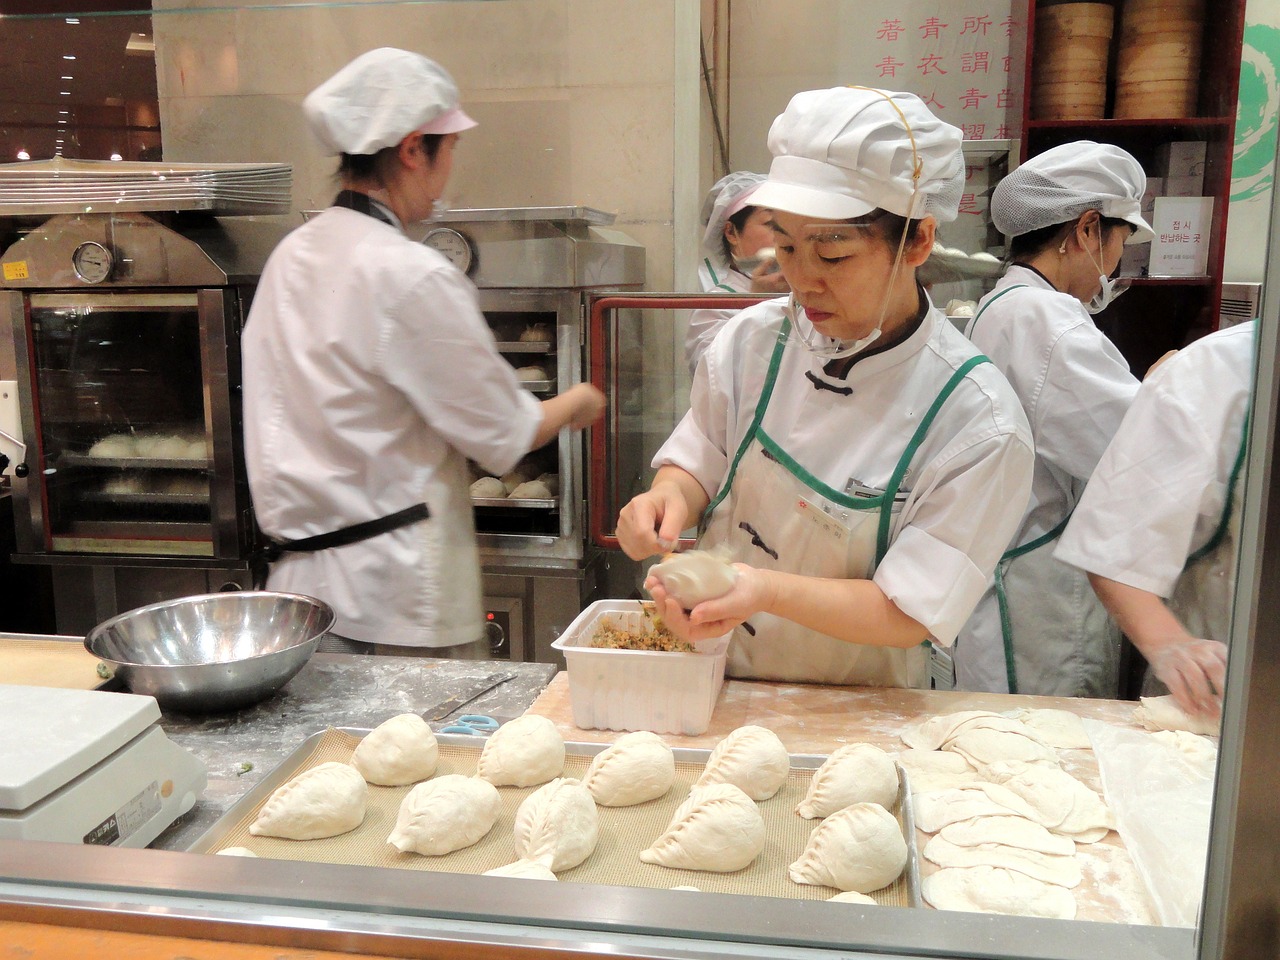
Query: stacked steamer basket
1159, 58
1069, 73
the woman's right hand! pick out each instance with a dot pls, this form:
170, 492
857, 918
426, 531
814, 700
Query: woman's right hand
651, 523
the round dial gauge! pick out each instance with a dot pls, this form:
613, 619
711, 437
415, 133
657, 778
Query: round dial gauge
92, 262
456, 247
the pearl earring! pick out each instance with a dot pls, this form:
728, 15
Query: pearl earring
1062, 248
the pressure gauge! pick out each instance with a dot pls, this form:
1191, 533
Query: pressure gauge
92, 262
456, 247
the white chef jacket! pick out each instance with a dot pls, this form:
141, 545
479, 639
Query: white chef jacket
1075, 387
965, 492
713, 277
369, 375
1159, 491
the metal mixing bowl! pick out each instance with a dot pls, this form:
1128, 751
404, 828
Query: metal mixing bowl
212, 652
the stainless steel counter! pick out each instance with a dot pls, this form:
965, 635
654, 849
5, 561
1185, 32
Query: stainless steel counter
332, 690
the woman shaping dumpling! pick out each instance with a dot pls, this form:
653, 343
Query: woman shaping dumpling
861, 462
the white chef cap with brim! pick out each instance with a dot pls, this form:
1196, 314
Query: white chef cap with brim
727, 196
841, 153
381, 97
1057, 186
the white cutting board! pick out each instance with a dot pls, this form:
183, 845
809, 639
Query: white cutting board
52, 736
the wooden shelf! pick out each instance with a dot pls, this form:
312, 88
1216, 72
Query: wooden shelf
1145, 123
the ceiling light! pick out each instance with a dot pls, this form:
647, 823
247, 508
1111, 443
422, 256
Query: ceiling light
62, 121
65, 93
23, 155
68, 56
116, 156
73, 19
68, 78
64, 112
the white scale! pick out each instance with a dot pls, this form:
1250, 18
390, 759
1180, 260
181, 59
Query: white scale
87, 766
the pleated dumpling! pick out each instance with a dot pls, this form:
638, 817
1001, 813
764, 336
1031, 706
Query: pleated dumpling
523, 752
718, 828
695, 575
445, 814
557, 825
398, 752
324, 801
637, 768
858, 848
751, 758
855, 773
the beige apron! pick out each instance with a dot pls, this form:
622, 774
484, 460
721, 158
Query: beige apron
773, 514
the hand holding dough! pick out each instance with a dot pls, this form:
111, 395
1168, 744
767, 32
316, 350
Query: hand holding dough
324, 801
695, 575
398, 752
523, 752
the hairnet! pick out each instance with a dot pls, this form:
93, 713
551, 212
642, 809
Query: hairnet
843, 152
726, 197
1060, 184
381, 97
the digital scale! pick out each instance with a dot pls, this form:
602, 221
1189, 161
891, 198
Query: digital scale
88, 766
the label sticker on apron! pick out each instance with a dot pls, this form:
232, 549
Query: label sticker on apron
828, 524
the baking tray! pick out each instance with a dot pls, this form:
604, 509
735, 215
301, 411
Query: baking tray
146, 499
133, 463
624, 831
506, 503
525, 346
37, 660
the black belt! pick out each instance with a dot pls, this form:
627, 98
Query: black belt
347, 535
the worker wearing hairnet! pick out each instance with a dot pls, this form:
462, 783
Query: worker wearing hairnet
370, 376
737, 247
1157, 527
845, 445
1069, 211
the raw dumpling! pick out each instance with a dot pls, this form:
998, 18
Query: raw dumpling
490, 488
557, 825
524, 870
236, 852
851, 896
752, 758
324, 801
124, 483
401, 751
445, 814
997, 890
531, 490
718, 827
531, 374
523, 752
513, 478
1163, 713
552, 480
638, 768
116, 446
859, 848
855, 773
695, 575
536, 333
168, 447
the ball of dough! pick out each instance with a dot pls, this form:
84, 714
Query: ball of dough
116, 446
752, 758
552, 480
530, 374
536, 333
168, 447
325, 801
859, 848
513, 478
524, 870
717, 828
557, 825
397, 752
124, 483
531, 490
695, 575
236, 852
490, 488
855, 773
197, 450
523, 752
639, 767
445, 814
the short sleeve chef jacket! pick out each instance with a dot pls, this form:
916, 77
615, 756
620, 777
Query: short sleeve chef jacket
368, 369
968, 483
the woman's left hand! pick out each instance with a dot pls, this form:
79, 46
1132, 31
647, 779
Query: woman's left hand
768, 278
751, 593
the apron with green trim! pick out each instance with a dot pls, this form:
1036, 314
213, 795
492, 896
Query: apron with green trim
773, 514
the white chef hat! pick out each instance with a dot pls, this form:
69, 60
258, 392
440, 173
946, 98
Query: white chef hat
381, 97
726, 197
1060, 184
844, 152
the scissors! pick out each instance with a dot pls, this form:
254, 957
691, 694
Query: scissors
471, 723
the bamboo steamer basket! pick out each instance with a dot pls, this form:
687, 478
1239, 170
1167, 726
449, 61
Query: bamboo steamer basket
1069, 70
1138, 101
1076, 19
1158, 59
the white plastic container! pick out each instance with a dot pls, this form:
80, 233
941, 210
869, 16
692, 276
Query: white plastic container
639, 689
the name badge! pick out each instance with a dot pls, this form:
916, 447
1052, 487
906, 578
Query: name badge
825, 522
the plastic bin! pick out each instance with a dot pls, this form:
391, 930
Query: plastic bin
639, 689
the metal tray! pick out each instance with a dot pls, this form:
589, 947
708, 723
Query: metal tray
517, 346
132, 463
229, 830
145, 499
505, 503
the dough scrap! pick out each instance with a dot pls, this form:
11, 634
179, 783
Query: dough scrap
1199, 753
852, 896
1010, 831
858, 848
236, 852
1057, 728
489, 488
523, 752
717, 828
324, 801
397, 752
557, 825
937, 808
936, 770
1047, 867
531, 490
854, 773
637, 768
696, 575
997, 890
445, 814
1163, 713
752, 758
524, 870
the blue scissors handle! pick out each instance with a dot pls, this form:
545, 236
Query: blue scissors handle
473, 724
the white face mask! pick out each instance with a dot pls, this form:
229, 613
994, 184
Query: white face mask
1109, 287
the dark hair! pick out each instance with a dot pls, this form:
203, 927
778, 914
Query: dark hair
1030, 244
362, 166
739, 221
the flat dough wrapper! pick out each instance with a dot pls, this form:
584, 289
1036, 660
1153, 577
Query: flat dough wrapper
936, 770
937, 808
1047, 867
1163, 713
931, 734
853, 896
1061, 802
997, 890
983, 746
1057, 728
1010, 831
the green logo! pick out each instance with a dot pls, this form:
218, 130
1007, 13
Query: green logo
1253, 163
